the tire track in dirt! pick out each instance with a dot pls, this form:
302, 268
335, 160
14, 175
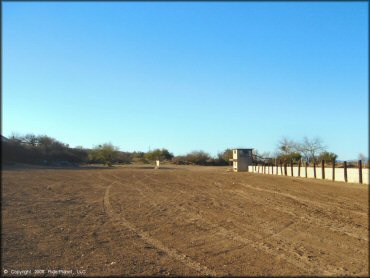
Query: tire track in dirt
154, 242
299, 262
303, 261
292, 254
308, 218
329, 202
314, 221
298, 199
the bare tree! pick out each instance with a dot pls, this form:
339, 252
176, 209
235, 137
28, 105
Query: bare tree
287, 146
310, 148
30, 139
266, 155
15, 136
364, 159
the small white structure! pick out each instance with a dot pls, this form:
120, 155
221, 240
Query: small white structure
242, 158
156, 164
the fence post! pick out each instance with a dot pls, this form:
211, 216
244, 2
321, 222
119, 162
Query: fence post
323, 169
360, 171
299, 168
286, 168
291, 168
281, 168
345, 171
277, 168
334, 170
272, 169
314, 169
306, 169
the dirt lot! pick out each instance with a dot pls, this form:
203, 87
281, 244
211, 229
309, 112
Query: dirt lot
182, 221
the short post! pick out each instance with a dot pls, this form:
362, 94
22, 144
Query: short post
258, 169
272, 169
291, 168
299, 168
314, 169
323, 169
345, 171
306, 169
334, 170
360, 171
156, 164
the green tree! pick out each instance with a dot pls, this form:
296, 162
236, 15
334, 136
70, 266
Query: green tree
105, 153
180, 160
198, 157
224, 157
328, 157
287, 158
158, 154
138, 157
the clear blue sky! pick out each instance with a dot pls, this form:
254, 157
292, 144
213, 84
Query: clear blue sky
187, 76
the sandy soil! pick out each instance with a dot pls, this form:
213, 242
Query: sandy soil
182, 221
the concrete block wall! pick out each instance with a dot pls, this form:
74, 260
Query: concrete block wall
352, 173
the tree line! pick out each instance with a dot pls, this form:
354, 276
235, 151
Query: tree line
43, 149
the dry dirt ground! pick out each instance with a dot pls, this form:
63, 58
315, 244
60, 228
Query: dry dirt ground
196, 221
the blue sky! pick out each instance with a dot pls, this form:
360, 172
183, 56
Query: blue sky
187, 76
